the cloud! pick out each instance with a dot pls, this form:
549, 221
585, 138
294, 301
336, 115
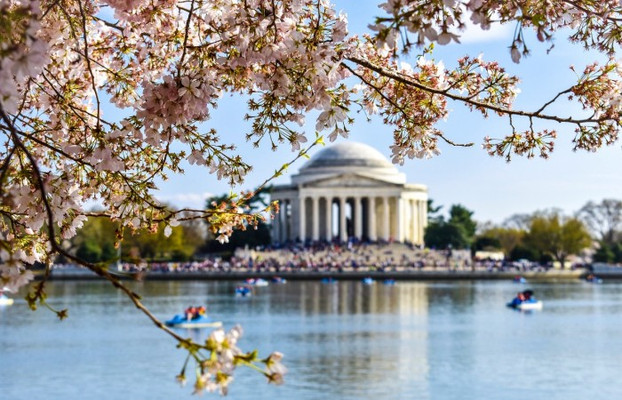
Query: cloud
183, 200
475, 34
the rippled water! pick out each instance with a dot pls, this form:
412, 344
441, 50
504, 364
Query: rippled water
341, 341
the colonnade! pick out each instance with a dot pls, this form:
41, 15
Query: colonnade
384, 217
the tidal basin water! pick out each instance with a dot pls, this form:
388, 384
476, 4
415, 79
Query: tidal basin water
414, 340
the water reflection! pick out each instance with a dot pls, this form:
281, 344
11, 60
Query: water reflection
346, 340
349, 297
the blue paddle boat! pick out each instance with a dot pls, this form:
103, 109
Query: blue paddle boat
591, 278
243, 291
202, 321
525, 301
257, 282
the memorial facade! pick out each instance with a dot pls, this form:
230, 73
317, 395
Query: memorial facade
350, 190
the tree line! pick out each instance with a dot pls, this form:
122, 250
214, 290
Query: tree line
95, 242
189, 240
542, 236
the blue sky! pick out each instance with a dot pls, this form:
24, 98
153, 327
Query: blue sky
490, 187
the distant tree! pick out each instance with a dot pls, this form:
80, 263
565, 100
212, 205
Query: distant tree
557, 236
441, 235
251, 235
434, 211
181, 244
608, 253
486, 243
518, 221
457, 232
604, 219
461, 216
94, 242
505, 239
617, 251
525, 252
604, 253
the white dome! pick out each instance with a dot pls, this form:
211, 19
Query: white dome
348, 154
349, 158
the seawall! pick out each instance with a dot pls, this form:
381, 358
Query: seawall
410, 275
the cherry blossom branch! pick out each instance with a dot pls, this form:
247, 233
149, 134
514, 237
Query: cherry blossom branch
394, 104
89, 67
50, 8
444, 92
47, 145
184, 45
5, 167
107, 23
75, 110
134, 297
587, 11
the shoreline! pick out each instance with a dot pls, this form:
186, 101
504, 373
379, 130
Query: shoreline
415, 275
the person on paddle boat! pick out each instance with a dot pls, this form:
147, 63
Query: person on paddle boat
520, 297
201, 311
191, 313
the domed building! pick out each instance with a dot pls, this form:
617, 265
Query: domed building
350, 190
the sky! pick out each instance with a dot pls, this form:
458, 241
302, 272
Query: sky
491, 187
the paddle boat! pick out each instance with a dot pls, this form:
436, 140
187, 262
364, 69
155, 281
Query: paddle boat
257, 282
5, 301
519, 279
243, 291
329, 280
591, 278
193, 317
525, 301
527, 305
368, 281
278, 279
203, 321
389, 282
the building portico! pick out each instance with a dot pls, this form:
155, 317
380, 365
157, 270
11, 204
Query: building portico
350, 190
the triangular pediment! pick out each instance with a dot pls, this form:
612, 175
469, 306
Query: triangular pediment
350, 180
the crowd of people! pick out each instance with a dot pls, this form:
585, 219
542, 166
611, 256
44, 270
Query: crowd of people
331, 257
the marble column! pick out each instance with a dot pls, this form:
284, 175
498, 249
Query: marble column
329, 219
371, 225
417, 208
400, 219
387, 219
301, 213
316, 218
358, 218
412, 206
285, 221
343, 231
423, 219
